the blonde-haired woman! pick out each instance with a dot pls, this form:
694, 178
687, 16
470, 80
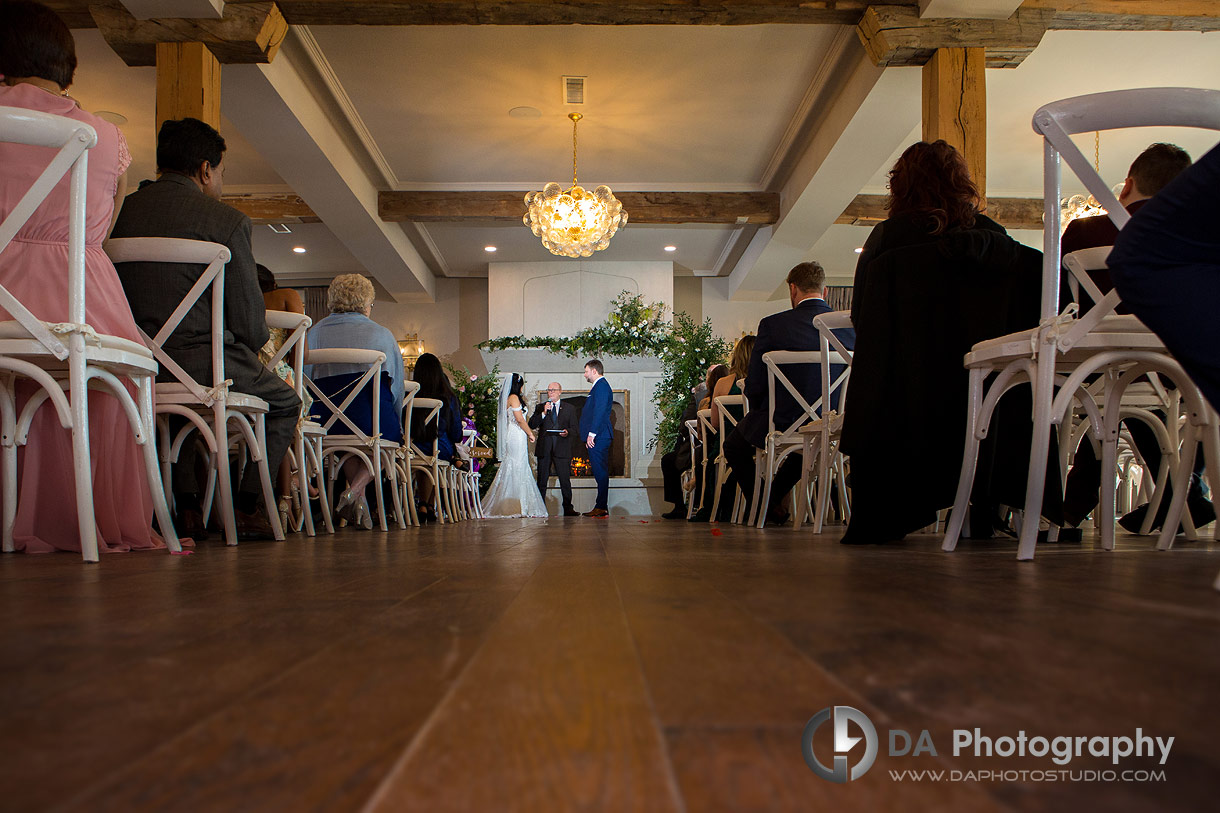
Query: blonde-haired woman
350, 299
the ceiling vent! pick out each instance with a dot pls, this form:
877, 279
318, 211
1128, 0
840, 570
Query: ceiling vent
574, 89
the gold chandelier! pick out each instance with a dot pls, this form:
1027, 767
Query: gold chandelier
1078, 206
574, 223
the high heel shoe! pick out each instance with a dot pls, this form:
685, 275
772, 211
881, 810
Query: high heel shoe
285, 510
364, 516
346, 507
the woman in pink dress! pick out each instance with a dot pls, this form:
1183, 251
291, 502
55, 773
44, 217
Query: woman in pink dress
37, 61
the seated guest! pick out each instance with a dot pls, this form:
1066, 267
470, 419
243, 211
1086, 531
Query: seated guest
1151, 171
788, 330
730, 384
287, 300
37, 64
933, 279
446, 431
679, 460
350, 300
1166, 266
185, 203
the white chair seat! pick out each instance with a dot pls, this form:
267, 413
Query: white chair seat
116, 352
1114, 333
179, 394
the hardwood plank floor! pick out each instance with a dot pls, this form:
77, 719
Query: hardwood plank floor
596, 665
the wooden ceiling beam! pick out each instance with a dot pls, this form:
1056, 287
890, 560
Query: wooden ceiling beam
755, 208
1011, 213
1131, 15
273, 208
896, 36
248, 32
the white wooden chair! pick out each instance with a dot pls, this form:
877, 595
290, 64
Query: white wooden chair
406, 483
698, 441
305, 454
781, 441
721, 404
378, 454
66, 359
820, 436
229, 411
428, 463
1064, 350
468, 479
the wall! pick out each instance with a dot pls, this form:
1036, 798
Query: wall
561, 298
688, 297
731, 319
449, 327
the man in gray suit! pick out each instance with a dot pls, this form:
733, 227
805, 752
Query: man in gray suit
185, 203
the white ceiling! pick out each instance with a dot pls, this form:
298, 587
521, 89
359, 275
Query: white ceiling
669, 108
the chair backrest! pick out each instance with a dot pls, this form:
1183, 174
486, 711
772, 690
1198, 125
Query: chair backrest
833, 351
1079, 264
432, 409
775, 361
1058, 121
192, 252
369, 381
72, 139
409, 390
296, 324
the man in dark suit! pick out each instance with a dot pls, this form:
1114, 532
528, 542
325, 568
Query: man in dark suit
185, 203
598, 433
1150, 172
788, 330
555, 426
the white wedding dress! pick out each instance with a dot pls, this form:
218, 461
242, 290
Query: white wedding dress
514, 492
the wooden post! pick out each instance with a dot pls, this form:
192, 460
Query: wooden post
188, 83
955, 106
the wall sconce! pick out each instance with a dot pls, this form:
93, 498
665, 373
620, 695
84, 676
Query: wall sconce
411, 347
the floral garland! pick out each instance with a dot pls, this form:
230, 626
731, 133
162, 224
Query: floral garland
686, 349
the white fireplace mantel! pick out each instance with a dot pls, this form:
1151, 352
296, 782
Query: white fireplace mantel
638, 376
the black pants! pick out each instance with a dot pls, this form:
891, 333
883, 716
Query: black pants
251, 377
739, 453
563, 471
671, 475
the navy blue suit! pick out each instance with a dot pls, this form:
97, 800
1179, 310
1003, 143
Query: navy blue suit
787, 330
595, 418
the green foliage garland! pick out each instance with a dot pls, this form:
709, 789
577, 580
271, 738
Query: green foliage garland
686, 349
479, 396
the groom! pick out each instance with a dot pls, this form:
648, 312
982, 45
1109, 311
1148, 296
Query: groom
597, 433
555, 426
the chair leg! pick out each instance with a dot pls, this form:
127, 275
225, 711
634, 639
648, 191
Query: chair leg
1035, 483
81, 467
264, 473
395, 492
1181, 485
8, 458
970, 456
224, 488
152, 465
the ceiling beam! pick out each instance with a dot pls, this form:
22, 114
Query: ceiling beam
991, 9
896, 36
1092, 15
871, 114
1011, 213
642, 207
280, 109
1131, 15
272, 208
248, 32
573, 12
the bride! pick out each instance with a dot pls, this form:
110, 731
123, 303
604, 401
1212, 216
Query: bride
514, 492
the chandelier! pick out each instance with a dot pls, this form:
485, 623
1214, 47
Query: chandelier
574, 223
1078, 206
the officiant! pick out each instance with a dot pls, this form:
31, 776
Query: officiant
555, 425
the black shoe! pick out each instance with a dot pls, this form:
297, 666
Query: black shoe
570, 512
679, 512
190, 526
775, 517
252, 526
702, 515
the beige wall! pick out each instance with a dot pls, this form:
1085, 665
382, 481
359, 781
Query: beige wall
688, 297
450, 327
732, 319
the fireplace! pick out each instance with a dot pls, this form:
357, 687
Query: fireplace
620, 419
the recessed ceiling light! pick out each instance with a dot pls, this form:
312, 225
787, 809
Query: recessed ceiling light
489, 248
525, 113
671, 248
299, 249
860, 250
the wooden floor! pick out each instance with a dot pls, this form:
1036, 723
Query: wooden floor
621, 664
